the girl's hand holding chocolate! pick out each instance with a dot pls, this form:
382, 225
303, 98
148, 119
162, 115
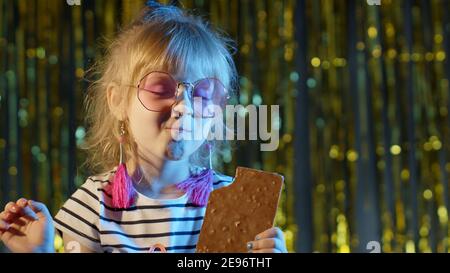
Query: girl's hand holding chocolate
269, 241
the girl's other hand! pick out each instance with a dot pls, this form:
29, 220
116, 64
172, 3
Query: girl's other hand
269, 241
27, 226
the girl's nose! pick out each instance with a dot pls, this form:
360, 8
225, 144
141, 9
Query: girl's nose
182, 104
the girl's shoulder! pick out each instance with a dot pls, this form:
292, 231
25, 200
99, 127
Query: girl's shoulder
221, 180
98, 186
101, 180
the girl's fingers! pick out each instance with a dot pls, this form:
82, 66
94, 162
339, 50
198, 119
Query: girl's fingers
9, 206
3, 215
17, 206
3, 226
271, 239
25, 210
270, 233
265, 244
28, 212
15, 209
22, 202
12, 212
39, 208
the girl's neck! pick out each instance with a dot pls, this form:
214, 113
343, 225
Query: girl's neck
158, 180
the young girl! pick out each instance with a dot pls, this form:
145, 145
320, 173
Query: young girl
160, 77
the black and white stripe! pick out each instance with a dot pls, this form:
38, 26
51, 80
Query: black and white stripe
88, 217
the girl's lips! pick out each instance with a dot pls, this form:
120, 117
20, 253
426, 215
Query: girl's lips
178, 129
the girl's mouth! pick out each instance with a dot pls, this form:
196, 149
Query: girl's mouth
178, 129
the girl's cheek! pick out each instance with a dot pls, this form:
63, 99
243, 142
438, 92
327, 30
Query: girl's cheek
144, 126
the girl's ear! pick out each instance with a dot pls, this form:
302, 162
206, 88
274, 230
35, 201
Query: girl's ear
116, 101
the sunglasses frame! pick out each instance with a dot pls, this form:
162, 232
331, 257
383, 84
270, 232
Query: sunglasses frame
191, 92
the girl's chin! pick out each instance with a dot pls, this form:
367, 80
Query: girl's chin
175, 150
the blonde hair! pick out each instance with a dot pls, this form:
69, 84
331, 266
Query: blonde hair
162, 38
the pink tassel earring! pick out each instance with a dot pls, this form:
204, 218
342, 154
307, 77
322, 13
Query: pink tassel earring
123, 192
199, 186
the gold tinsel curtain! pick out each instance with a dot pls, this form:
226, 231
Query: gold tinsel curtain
363, 92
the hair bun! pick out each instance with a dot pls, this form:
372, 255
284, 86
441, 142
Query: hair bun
153, 4
156, 11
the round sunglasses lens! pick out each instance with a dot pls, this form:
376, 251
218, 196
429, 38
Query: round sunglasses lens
210, 96
157, 91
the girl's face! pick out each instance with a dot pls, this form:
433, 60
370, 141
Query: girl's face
168, 132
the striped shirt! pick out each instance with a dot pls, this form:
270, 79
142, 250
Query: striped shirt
89, 218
